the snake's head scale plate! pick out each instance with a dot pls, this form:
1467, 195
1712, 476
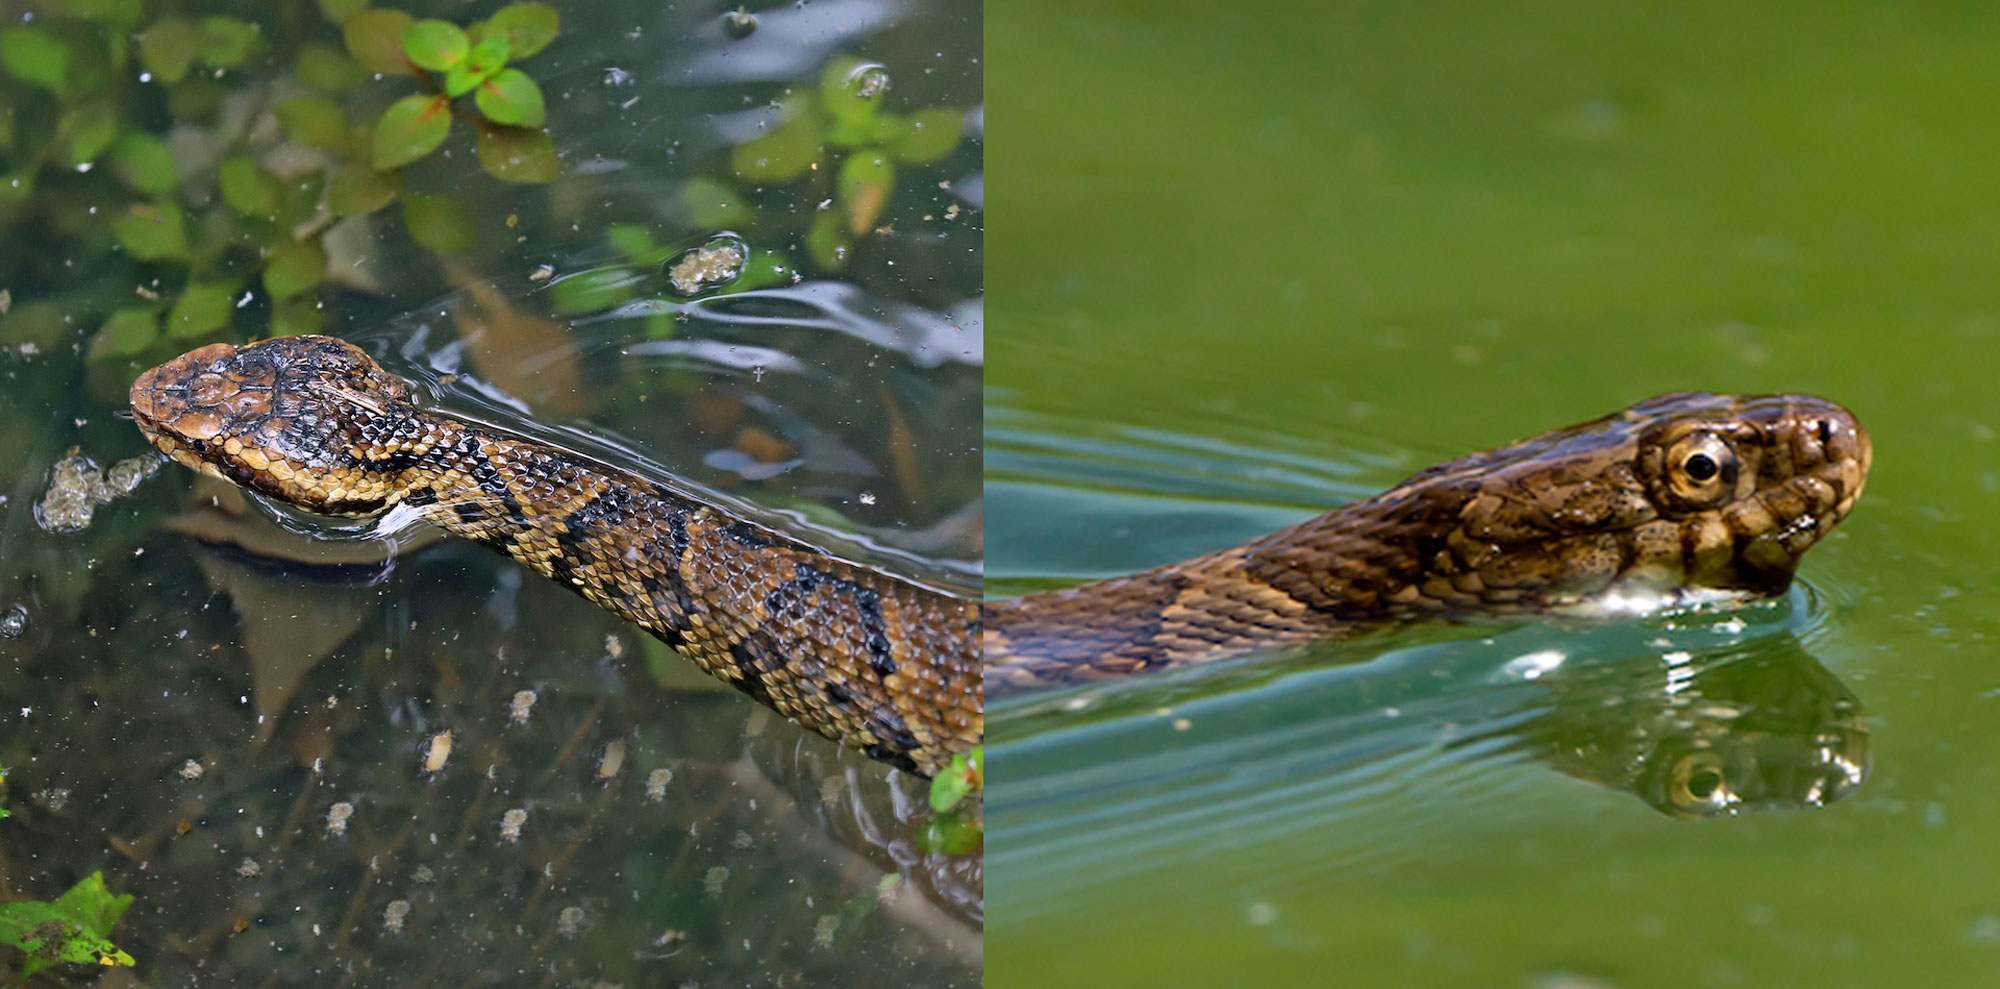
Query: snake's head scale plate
1685, 492
281, 416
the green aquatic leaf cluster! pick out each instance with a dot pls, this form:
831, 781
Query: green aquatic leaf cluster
224, 224
840, 139
75, 928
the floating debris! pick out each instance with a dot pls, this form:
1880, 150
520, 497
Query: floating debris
741, 840
250, 868
191, 770
656, 784
423, 874
336, 819
712, 880
612, 762
437, 752
739, 23
520, 706
14, 622
569, 923
712, 265
511, 824
77, 487
823, 929
393, 914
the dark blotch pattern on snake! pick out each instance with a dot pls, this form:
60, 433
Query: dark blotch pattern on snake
1673, 498
870, 660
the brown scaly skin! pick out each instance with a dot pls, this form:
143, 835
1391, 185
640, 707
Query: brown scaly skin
872, 661
1682, 492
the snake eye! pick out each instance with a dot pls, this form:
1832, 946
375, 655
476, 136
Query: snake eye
1701, 469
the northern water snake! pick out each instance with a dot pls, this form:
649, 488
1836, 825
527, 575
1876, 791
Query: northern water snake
1672, 498
864, 657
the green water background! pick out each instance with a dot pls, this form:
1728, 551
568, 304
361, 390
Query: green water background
1444, 226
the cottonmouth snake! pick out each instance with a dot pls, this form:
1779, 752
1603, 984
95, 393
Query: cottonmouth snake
1678, 497
868, 659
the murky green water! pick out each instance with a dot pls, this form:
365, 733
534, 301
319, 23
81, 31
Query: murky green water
314, 761
1262, 261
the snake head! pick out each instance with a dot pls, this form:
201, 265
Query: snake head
281, 416
1683, 493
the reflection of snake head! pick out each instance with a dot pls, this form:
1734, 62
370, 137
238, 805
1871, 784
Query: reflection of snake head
1691, 490
278, 416
1732, 773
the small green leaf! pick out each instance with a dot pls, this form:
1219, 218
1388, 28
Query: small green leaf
827, 242
127, 333
510, 98
249, 190
951, 834
517, 154
439, 223
36, 57
434, 45
594, 289
201, 310
636, 243
411, 128
153, 232
338, 11
713, 205
168, 47
294, 266
528, 28
865, 182
358, 189
964, 775
87, 130
227, 42
295, 316
75, 928
313, 122
460, 79
144, 162
328, 69
782, 155
930, 134
375, 39
487, 57
120, 15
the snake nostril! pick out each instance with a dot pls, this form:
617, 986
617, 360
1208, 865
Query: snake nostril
1825, 433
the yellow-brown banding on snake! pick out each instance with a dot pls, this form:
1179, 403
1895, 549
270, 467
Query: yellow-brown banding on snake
1682, 492
876, 662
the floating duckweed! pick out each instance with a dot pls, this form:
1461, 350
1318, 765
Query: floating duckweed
712, 265
522, 705
656, 784
711, 882
569, 923
823, 929
437, 751
250, 868
393, 914
511, 823
191, 770
336, 819
613, 761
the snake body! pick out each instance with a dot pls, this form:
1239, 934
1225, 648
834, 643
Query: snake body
1677, 497
873, 661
